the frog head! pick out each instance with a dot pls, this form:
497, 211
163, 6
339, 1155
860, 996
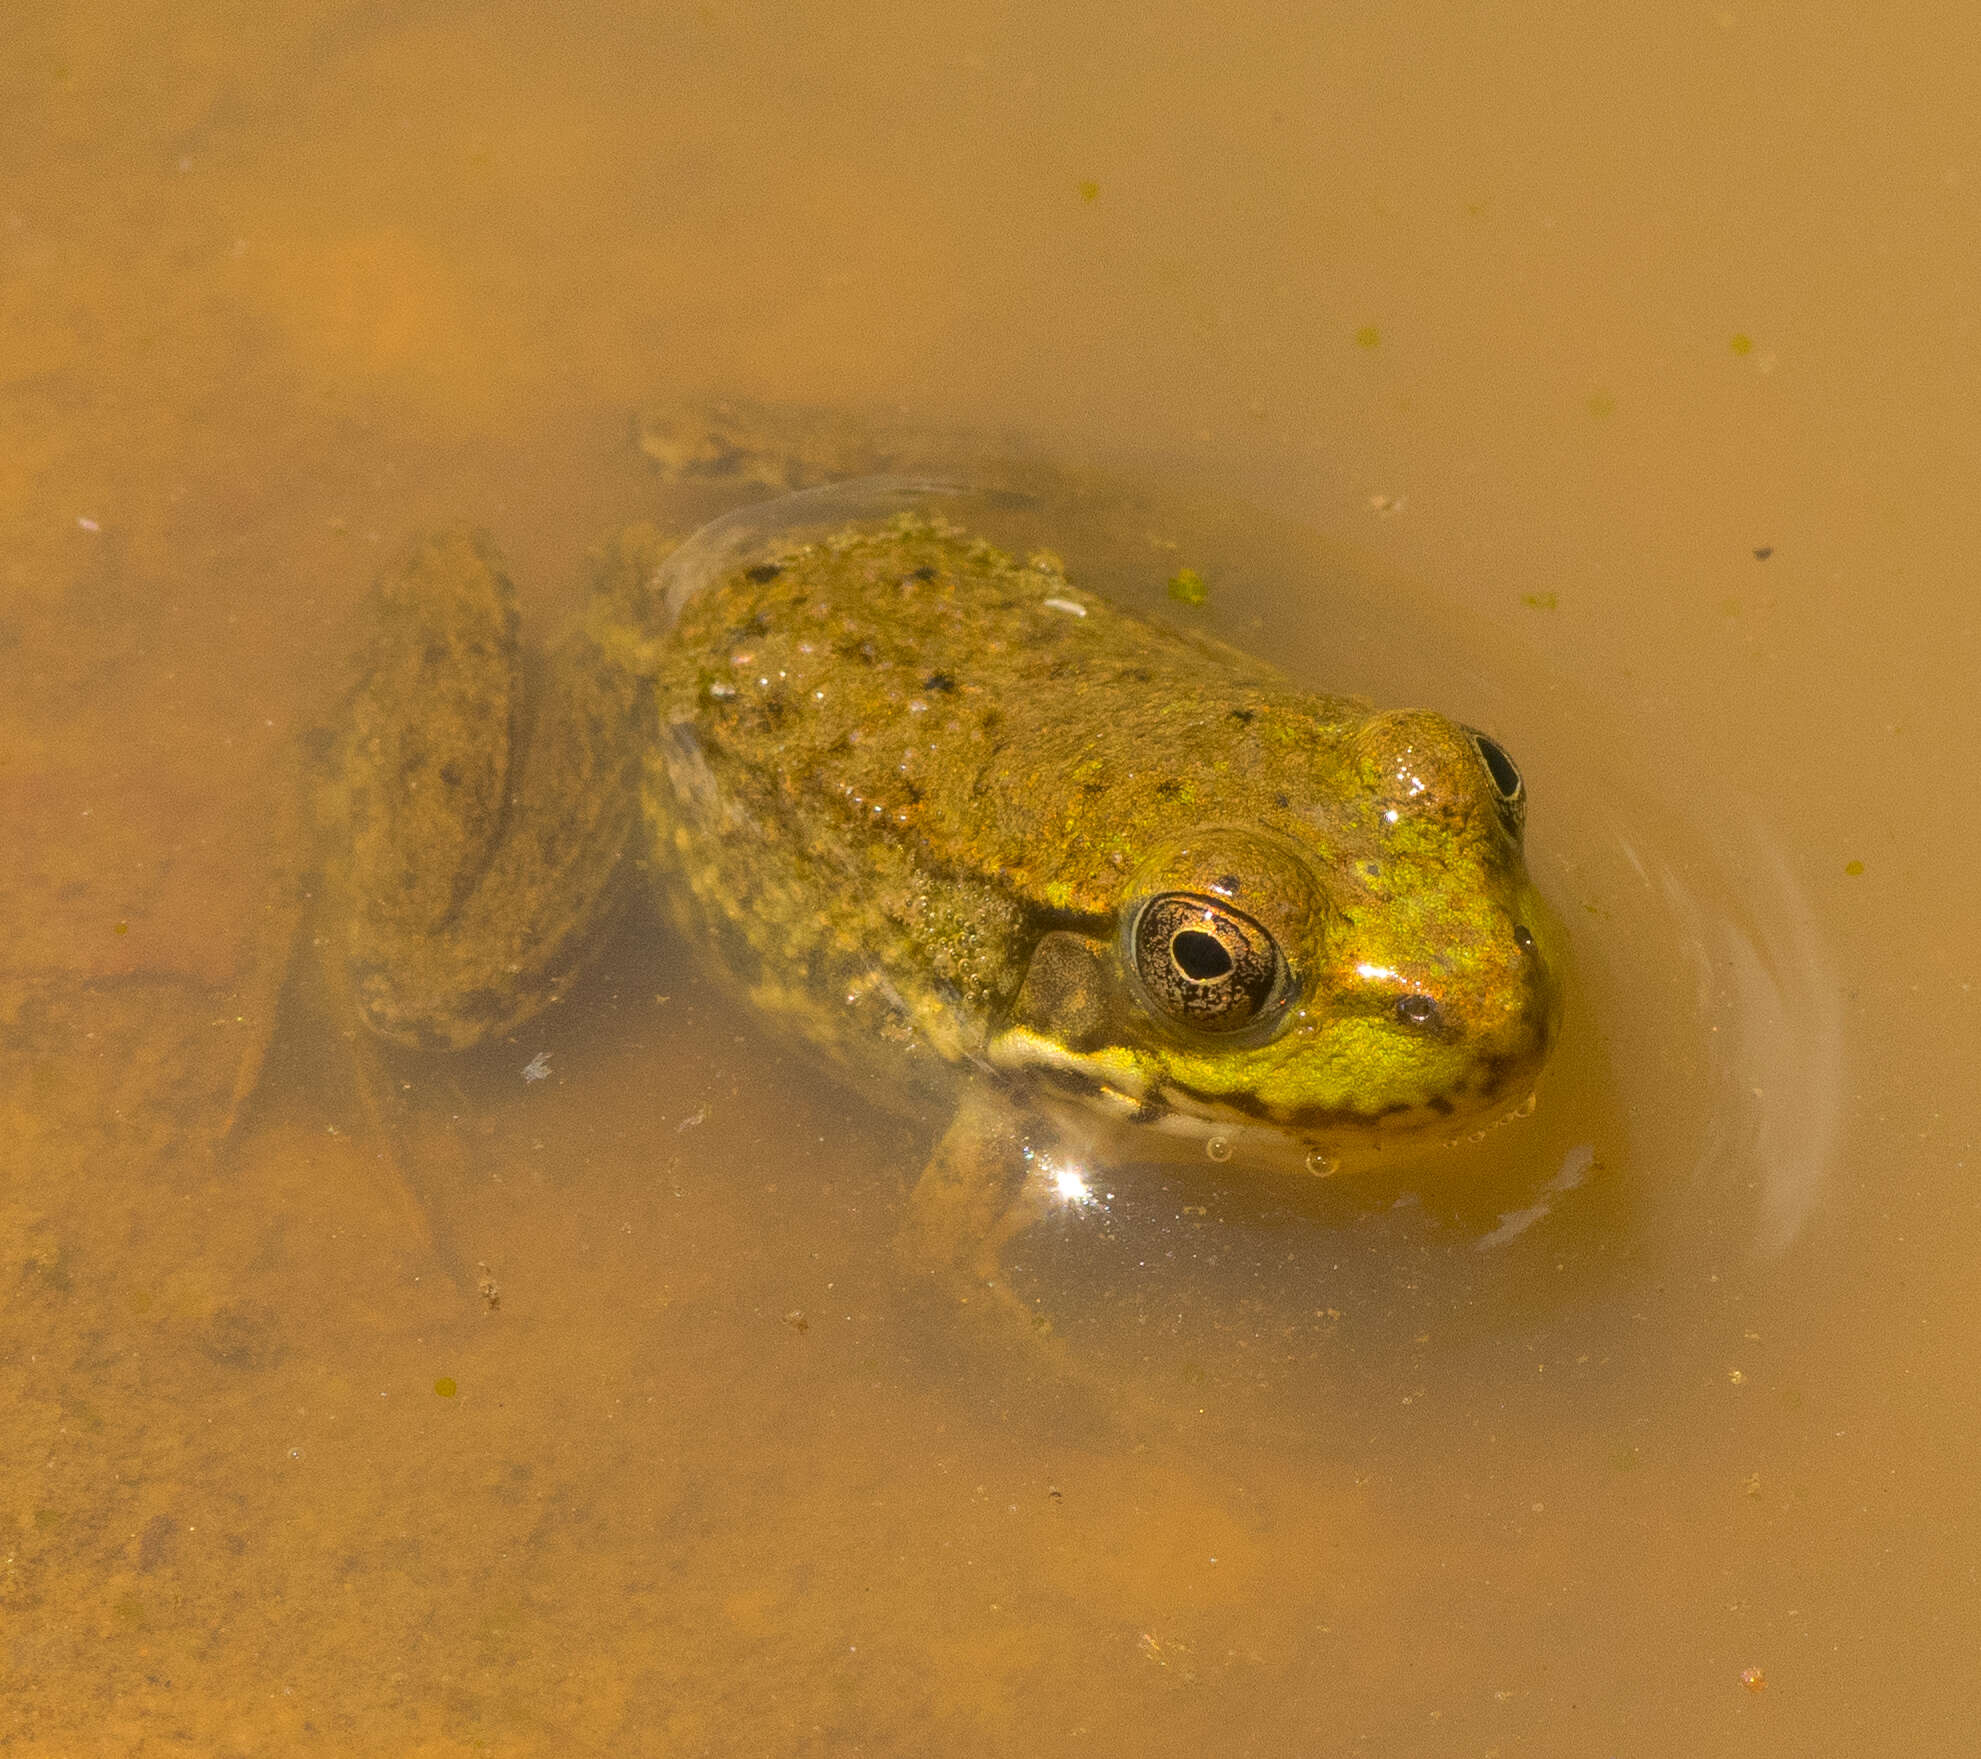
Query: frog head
1362, 963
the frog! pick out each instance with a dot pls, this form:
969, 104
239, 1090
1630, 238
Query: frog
989, 844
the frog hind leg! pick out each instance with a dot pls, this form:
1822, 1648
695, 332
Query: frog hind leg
484, 839
477, 828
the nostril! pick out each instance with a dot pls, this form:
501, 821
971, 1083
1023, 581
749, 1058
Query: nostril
1418, 1010
1523, 937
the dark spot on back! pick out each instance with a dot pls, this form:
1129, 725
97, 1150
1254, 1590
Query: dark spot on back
923, 573
1244, 716
943, 681
763, 571
1147, 1112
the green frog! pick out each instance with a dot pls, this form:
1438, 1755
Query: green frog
980, 837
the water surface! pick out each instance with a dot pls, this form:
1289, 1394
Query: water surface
1607, 381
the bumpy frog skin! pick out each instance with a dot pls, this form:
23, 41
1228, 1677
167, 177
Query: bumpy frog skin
964, 827
932, 805
476, 811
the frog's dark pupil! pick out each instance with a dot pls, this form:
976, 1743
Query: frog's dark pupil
1506, 777
1200, 956
1202, 965
1228, 884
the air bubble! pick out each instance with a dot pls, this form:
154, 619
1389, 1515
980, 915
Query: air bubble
1321, 1165
1218, 1148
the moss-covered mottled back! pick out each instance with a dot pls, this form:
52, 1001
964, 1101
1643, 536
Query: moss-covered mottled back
935, 805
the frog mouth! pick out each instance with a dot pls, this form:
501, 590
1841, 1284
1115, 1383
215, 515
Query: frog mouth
1110, 1088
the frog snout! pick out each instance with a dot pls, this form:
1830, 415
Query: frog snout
1500, 998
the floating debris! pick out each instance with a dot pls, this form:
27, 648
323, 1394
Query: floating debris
1188, 587
1576, 1166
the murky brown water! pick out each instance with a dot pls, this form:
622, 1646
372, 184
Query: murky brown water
1607, 380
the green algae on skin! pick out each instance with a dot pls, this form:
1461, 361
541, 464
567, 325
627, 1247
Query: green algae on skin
893, 769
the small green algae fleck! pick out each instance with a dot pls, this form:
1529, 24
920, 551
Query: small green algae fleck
1368, 337
1088, 189
1188, 587
1742, 344
1853, 868
445, 1386
1539, 601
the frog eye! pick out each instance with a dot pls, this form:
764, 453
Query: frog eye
1203, 964
1505, 773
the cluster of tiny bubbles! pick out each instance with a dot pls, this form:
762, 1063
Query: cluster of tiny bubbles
1525, 1109
1218, 1148
1321, 1165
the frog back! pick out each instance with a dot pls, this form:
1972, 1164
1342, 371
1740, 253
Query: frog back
886, 762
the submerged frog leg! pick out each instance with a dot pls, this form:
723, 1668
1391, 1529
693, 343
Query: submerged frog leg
476, 819
484, 803
764, 448
389, 1123
978, 1192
